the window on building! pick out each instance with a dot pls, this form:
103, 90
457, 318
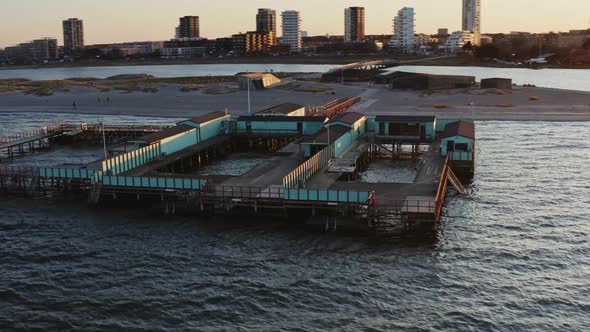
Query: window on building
461, 147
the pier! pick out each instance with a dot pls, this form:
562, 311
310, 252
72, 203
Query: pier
311, 170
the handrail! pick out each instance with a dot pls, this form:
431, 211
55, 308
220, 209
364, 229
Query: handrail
309, 168
442, 188
413, 206
460, 155
43, 131
19, 170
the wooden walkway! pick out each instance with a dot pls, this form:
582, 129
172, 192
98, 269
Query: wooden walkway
176, 156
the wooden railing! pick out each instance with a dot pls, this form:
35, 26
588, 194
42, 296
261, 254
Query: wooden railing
442, 189
407, 206
339, 106
19, 171
309, 168
38, 132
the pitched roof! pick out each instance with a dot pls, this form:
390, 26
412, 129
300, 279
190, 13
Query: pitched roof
258, 118
179, 129
347, 117
335, 133
405, 118
208, 117
459, 128
285, 108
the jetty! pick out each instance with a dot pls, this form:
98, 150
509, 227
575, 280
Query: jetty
313, 167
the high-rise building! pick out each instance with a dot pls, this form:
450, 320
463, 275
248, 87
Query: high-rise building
188, 27
403, 31
442, 32
73, 37
266, 20
354, 24
292, 30
472, 19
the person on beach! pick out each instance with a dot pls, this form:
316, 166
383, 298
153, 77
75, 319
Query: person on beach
99, 100
74, 105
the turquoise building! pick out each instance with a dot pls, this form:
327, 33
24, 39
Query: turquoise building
208, 125
457, 141
404, 128
341, 131
256, 125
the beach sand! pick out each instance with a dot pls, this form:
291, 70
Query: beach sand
520, 103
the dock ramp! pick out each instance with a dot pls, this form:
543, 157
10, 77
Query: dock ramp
455, 182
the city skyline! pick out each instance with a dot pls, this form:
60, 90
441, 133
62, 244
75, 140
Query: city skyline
109, 21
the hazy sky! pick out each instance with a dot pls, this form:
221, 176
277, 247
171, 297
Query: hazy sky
128, 20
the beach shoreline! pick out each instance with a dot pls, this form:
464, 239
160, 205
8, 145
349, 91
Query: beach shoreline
458, 61
177, 98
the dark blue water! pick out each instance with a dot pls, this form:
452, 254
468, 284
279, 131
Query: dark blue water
514, 256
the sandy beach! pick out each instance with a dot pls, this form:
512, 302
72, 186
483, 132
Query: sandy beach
171, 100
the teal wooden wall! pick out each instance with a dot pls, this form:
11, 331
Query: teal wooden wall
212, 128
315, 195
457, 155
154, 182
374, 125
280, 127
180, 141
127, 161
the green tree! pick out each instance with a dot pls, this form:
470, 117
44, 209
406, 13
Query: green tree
467, 47
487, 51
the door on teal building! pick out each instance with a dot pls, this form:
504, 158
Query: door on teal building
450, 146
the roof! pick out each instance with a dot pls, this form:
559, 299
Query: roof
258, 118
335, 133
405, 118
496, 79
459, 128
255, 75
179, 129
208, 117
399, 75
347, 117
285, 108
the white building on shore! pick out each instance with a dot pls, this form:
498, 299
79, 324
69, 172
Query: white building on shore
403, 31
458, 39
292, 30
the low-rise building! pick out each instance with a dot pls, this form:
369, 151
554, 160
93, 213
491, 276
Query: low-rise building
257, 80
253, 42
400, 128
418, 81
36, 50
185, 48
496, 83
458, 39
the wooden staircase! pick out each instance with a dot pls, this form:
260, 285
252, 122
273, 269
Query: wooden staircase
455, 182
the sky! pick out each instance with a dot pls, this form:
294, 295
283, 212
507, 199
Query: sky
108, 21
